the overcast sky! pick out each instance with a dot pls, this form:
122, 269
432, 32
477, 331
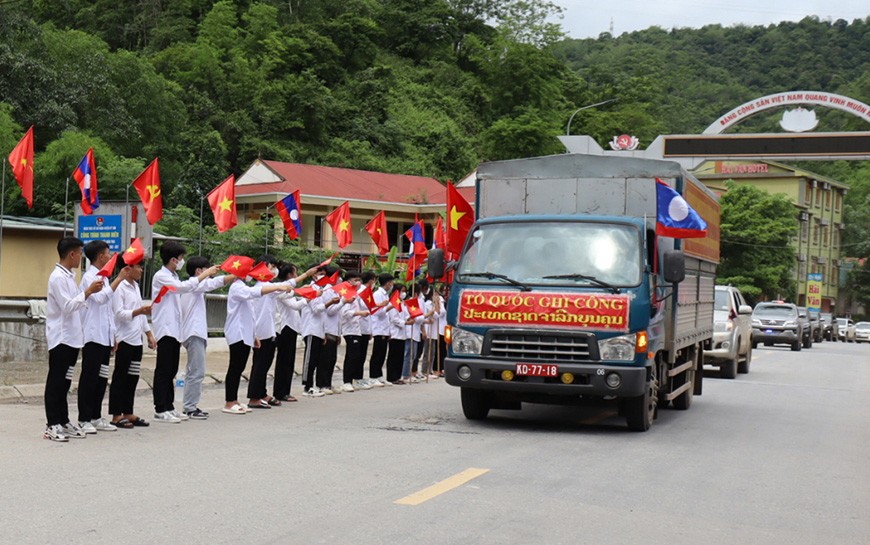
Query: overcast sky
589, 18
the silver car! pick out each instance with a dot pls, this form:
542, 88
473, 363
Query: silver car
732, 333
862, 332
845, 330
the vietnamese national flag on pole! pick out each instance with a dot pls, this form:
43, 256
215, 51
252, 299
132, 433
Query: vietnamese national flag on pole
460, 218
369, 299
238, 265
21, 160
306, 292
135, 253
261, 273
345, 290
413, 306
163, 291
377, 229
674, 217
291, 214
222, 201
109, 268
86, 176
339, 220
396, 300
327, 280
148, 187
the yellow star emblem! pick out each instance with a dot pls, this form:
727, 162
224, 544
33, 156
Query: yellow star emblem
131, 250
455, 216
225, 205
237, 264
343, 225
343, 291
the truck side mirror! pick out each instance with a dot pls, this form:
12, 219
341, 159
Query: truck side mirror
674, 266
436, 263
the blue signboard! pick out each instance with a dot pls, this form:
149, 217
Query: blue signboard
97, 227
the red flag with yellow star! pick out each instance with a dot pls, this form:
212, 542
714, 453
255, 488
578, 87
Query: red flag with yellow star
109, 268
222, 201
345, 290
135, 253
262, 273
148, 187
21, 160
460, 218
238, 265
377, 229
339, 220
413, 306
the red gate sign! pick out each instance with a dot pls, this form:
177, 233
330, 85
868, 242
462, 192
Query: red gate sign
544, 309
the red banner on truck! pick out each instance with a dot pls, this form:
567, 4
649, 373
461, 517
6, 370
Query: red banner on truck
558, 310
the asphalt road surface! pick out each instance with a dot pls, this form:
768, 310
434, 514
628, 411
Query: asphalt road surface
781, 455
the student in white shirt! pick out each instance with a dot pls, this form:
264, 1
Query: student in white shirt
63, 332
166, 322
352, 313
332, 336
289, 328
264, 329
380, 331
194, 333
98, 323
131, 322
398, 320
367, 282
432, 352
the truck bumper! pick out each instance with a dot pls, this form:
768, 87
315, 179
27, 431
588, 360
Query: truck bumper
589, 379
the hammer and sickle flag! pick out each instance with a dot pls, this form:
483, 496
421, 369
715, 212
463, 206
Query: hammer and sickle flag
148, 187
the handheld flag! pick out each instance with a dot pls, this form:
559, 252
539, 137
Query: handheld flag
291, 214
369, 299
396, 300
339, 220
345, 290
163, 291
222, 201
21, 160
377, 229
418, 240
328, 261
413, 306
460, 218
440, 241
238, 265
147, 186
135, 253
674, 217
109, 268
328, 280
306, 292
86, 176
262, 273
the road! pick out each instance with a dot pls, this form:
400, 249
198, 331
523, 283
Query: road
777, 456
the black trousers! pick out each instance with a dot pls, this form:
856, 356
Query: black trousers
61, 362
93, 380
379, 355
168, 351
313, 349
326, 367
442, 353
128, 362
263, 358
239, 353
285, 363
395, 359
363, 352
353, 358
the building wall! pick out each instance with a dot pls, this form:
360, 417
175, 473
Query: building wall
28, 258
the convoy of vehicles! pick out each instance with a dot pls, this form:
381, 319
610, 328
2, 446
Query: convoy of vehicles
808, 331
777, 323
828, 326
565, 294
732, 333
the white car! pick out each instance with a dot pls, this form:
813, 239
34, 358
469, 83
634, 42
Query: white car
862, 332
845, 330
732, 333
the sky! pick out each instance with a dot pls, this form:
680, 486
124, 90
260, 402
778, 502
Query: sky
589, 18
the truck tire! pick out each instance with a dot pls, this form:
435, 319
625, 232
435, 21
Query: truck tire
475, 403
808, 343
640, 411
729, 368
743, 366
796, 346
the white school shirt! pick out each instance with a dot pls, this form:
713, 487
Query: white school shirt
125, 300
350, 324
397, 320
98, 319
380, 320
332, 316
63, 323
312, 316
264, 313
194, 320
442, 317
166, 315
240, 313
290, 312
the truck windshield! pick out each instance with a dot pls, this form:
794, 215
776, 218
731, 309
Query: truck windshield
537, 253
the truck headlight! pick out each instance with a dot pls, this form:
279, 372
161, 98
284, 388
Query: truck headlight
466, 342
620, 348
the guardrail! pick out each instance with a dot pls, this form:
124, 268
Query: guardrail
15, 311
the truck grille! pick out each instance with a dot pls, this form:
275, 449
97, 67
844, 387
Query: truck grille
524, 347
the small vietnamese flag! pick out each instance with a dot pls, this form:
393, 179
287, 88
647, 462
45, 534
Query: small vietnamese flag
396, 300
369, 299
345, 290
328, 261
377, 229
261, 272
339, 220
21, 160
238, 265
222, 201
328, 280
147, 186
109, 268
306, 292
163, 291
135, 253
413, 306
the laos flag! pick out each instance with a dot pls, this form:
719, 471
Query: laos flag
291, 215
674, 217
86, 176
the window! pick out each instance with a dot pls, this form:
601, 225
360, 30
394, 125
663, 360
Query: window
318, 231
838, 199
835, 238
818, 202
828, 199
804, 227
808, 194
816, 231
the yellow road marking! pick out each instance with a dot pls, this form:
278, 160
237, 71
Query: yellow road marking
446, 485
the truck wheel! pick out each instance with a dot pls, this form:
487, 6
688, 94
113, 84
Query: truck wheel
754, 344
729, 369
808, 343
475, 403
640, 411
743, 366
796, 346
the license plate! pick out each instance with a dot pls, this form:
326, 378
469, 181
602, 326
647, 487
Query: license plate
537, 370
769, 331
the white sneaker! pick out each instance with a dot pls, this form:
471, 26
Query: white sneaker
179, 415
314, 392
361, 385
87, 427
420, 376
327, 391
73, 430
347, 387
413, 380
434, 377
55, 433
377, 383
166, 417
101, 424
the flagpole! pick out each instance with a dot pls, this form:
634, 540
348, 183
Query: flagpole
266, 213
201, 204
65, 205
2, 212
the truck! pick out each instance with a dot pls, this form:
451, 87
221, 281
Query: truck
564, 293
